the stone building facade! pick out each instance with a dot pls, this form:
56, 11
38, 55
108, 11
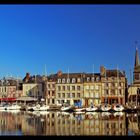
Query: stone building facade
114, 86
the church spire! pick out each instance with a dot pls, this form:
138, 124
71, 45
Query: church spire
136, 55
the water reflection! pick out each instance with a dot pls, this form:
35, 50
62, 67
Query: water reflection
66, 124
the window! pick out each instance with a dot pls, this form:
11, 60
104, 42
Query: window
59, 81
97, 87
68, 80
73, 87
63, 80
53, 85
53, 93
97, 79
68, 95
49, 86
113, 84
68, 87
59, 95
59, 88
78, 80
73, 80
63, 95
120, 91
78, 87
63, 87
112, 91
107, 84
78, 95
106, 92
73, 95
120, 84
87, 94
93, 79
88, 79
96, 95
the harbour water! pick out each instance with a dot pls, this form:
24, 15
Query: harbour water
51, 123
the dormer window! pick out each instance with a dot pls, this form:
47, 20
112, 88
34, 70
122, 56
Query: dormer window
78, 80
73, 80
63, 80
88, 79
68, 80
97, 79
93, 79
59, 80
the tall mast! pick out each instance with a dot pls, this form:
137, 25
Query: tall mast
17, 84
45, 71
131, 83
17, 88
105, 87
118, 84
68, 80
93, 81
35, 78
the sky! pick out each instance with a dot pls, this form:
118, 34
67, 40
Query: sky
67, 37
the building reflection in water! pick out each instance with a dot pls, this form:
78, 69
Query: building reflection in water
67, 124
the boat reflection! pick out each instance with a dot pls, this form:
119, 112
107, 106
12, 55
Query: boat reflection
67, 124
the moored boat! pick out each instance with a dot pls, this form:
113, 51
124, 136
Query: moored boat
91, 109
40, 108
81, 109
13, 107
118, 107
2, 107
66, 108
105, 107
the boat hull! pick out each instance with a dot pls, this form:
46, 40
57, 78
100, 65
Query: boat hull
90, 109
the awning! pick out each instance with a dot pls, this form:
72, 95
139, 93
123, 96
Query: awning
7, 99
26, 98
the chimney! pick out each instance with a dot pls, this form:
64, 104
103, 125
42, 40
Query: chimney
27, 77
59, 73
102, 70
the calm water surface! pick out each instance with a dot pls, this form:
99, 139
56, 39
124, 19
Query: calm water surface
68, 124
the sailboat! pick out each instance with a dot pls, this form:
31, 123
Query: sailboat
105, 107
78, 108
66, 107
118, 107
92, 107
14, 106
39, 107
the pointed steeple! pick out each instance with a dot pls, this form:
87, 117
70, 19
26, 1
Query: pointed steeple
136, 55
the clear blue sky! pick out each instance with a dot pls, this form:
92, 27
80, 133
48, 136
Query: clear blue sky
67, 36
